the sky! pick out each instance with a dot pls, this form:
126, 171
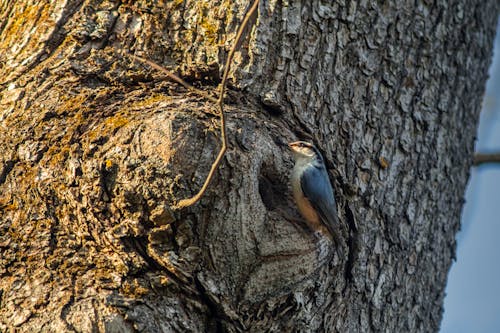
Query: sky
472, 304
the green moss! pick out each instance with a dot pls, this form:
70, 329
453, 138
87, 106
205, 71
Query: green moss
209, 24
58, 155
116, 122
210, 31
108, 127
23, 20
9, 207
177, 3
109, 164
69, 102
135, 288
149, 101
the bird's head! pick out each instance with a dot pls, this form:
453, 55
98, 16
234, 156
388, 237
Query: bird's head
305, 150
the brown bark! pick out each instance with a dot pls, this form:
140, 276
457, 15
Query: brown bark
97, 148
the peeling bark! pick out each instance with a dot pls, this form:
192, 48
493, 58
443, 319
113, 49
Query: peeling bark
97, 148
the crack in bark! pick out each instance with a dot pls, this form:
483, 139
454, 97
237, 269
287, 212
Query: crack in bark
215, 315
49, 206
107, 180
67, 307
109, 31
138, 245
351, 245
7, 168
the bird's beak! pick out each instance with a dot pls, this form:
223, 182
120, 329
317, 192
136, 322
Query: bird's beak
292, 145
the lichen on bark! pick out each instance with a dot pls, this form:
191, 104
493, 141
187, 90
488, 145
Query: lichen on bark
97, 148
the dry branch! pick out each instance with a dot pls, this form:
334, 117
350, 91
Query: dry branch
480, 159
191, 201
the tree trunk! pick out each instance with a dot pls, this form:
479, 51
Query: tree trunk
97, 148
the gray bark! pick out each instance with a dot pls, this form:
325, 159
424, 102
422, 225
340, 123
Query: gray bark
96, 149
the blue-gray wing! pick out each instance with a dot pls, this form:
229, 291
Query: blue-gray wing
318, 190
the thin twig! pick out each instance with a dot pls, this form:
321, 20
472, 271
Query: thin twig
480, 159
175, 78
191, 201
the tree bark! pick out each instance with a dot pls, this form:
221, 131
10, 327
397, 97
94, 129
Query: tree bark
97, 148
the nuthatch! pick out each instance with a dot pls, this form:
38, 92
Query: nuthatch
312, 190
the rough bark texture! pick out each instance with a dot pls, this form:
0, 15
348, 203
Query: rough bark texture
96, 148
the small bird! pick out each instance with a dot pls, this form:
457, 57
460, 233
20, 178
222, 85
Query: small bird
312, 190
